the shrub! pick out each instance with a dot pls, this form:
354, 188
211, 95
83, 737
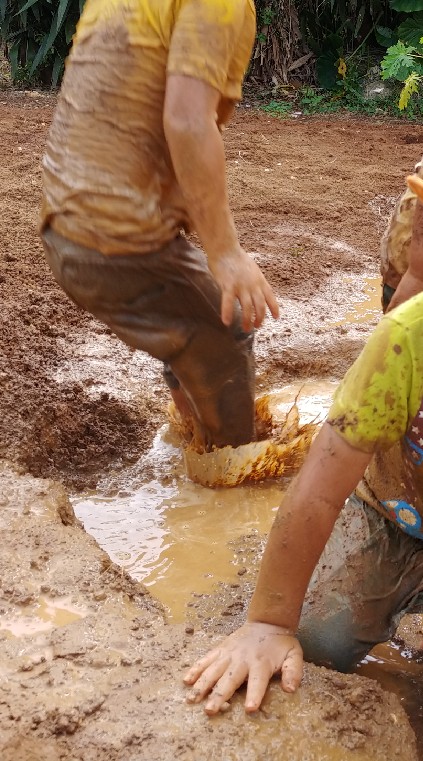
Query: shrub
36, 35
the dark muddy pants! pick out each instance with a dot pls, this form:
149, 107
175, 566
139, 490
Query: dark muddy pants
369, 575
167, 303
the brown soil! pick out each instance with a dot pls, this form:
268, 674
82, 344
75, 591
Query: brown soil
310, 197
297, 189
106, 686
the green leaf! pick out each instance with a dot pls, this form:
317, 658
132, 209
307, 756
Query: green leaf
398, 62
326, 70
411, 85
46, 44
27, 5
69, 29
406, 6
14, 58
385, 36
61, 12
57, 70
3, 9
411, 31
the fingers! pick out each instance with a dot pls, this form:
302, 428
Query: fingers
227, 307
232, 678
253, 306
292, 669
197, 669
260, 674
271, 301
207, 680
247, 309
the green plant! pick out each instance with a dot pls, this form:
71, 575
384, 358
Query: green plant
37, 35
277, 107
403, 61
338, 30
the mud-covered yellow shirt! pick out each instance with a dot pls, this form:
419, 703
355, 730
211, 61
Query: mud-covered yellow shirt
109, 183
378, 408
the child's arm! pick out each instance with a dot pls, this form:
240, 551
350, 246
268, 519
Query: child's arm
266, 643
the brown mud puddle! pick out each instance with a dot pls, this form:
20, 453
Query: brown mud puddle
173, 534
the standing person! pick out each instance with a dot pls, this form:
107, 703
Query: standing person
337, 576
134, 159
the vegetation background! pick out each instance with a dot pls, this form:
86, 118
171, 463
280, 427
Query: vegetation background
311, 55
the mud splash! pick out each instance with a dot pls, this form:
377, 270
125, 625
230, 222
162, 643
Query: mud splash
172, 534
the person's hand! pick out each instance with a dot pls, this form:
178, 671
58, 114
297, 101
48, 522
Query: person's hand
255, 652
240, 278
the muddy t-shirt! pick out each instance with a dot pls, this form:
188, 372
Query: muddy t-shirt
109, 183
378, 408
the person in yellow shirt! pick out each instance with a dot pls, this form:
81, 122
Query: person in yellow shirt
339, 571
134, 161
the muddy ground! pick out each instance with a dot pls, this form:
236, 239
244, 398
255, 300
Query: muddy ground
310, 197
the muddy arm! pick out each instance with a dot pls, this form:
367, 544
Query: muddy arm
266, 643
197, 152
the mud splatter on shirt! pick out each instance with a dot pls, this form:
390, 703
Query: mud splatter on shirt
109, 182
378, 408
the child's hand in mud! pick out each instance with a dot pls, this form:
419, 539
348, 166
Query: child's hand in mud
254, 652
240, 278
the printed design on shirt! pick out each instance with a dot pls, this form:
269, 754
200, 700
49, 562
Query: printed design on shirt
413, 439
412, 450
405, 515
416, 453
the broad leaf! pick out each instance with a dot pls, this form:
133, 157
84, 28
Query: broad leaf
398, 62
385, 37
411, 31
406, 6
411, 85
326, 70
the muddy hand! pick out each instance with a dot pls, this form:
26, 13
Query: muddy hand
254, 652
240, 278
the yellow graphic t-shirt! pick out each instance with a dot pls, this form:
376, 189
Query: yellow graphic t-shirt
109, 183
378, 408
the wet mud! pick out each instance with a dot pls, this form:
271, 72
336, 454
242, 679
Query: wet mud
91, 668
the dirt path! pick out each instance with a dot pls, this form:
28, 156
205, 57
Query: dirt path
310, 199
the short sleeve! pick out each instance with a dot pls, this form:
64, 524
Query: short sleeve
212, 41
371, 405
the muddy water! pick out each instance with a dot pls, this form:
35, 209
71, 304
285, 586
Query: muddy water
43, 615
173, 534
367, 309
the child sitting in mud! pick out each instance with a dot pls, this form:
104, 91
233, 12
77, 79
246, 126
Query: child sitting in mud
344, 558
